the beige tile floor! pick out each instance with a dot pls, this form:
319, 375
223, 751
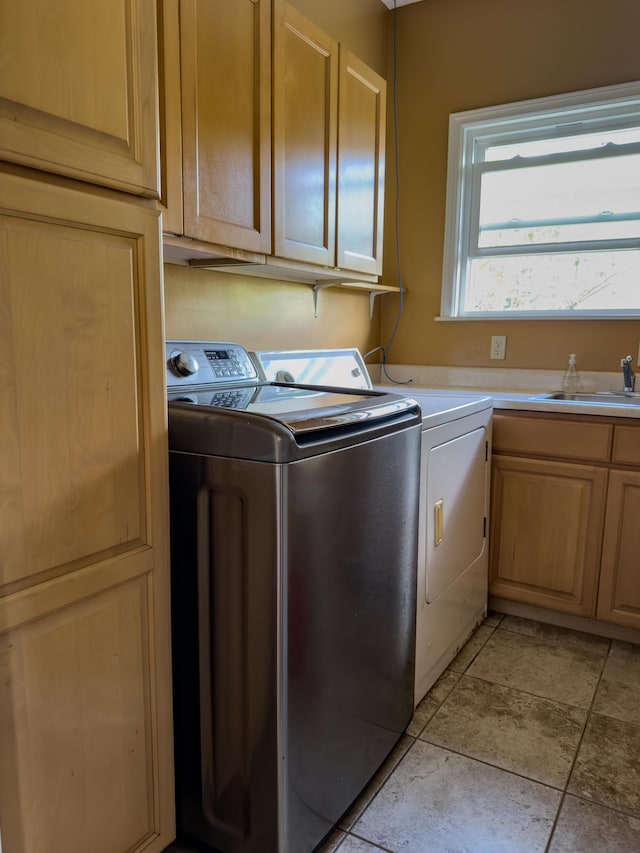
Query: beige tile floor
528, 743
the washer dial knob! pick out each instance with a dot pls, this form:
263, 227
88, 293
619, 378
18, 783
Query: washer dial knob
184, 364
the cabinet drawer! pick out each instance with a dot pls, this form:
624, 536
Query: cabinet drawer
544, 436
626, 445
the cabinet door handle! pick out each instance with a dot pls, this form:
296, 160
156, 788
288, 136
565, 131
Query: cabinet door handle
438, 518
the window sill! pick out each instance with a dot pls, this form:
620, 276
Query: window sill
573, 315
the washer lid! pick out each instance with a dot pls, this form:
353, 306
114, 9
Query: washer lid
282, 423
278, 401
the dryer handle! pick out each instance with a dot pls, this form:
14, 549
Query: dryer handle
438, 522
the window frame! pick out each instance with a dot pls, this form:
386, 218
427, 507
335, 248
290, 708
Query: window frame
606, 108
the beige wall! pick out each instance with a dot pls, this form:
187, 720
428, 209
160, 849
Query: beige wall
260, 313
263, 314
463, 54
361, 25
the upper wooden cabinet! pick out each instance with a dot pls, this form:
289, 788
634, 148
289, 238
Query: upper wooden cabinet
85, 705
216, 73
361, 164
305, 138
328, 149
273, 143
79, 90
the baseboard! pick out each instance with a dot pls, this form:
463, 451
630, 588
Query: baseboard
564, 620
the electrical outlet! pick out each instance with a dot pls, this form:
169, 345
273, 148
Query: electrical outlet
499, 346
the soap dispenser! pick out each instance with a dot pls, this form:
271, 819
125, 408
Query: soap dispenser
571, 378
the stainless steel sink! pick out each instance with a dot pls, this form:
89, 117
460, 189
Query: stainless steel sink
604, 398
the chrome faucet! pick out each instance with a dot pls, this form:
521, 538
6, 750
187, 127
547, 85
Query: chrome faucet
629, 375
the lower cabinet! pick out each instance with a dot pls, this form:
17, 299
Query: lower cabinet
80, 724
546, 532
85, 682
619, 593
564, 530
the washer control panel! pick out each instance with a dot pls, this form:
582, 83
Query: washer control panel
207, 363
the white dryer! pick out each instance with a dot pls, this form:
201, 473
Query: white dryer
453, 525
454, 501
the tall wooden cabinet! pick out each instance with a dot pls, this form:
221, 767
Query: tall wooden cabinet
564, 514
78, 90
84, 624
85, 684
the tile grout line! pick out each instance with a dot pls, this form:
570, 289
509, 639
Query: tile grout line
379, 788
526, 693
414, 739
563, 790
459, 674
348, 832
366, 841
575, 757
493, 766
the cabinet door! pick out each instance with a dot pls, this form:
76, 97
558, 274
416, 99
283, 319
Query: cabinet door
170, 117
361, 158
305, 111
546, 532
453, 517
619, 594
84, 623
226, 121
78, 90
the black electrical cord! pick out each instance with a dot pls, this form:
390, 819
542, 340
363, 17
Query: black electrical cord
385, 350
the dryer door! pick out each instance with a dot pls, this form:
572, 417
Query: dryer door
455, 509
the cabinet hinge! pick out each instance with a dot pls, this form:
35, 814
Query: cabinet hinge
486, 451
484, 528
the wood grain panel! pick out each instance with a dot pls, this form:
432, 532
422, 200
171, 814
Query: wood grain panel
83, 675
305, 111
546, 532
361, 165
579, 439
626, 445
226, 122
85, 709
75, 416
170, 117
78, 90
619, 594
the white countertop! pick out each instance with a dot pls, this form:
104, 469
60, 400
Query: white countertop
439, 407
508, 388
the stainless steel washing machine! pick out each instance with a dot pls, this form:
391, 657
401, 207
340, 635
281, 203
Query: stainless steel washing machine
293, 559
